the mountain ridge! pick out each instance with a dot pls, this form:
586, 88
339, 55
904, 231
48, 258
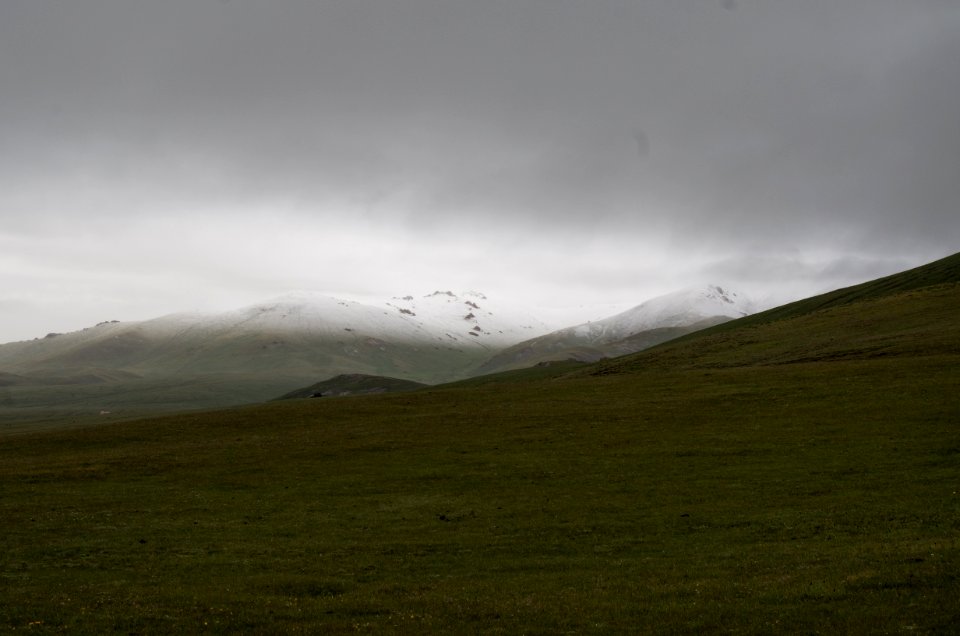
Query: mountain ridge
839, 323
654, 321
183, 342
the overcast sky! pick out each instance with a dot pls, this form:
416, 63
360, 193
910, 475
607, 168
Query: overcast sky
167, 155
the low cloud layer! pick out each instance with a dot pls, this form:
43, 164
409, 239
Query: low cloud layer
157, 156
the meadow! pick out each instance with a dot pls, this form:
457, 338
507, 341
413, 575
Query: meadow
795, 476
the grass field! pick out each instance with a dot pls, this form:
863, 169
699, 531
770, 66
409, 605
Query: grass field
802, 482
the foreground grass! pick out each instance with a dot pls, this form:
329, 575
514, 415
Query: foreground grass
810, 497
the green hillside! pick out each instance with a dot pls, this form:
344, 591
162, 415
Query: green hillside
943, 271
565, 344
914, 323
353, 384
797, 475
188, 362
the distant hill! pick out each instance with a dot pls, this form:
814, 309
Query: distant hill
648, 324
353, 384
942, 271
190, 361
914, 313
434, 338
255, 353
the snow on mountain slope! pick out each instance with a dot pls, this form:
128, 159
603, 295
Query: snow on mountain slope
643, 326
469, 319
430, 338
192, 360
303, 331
678, 309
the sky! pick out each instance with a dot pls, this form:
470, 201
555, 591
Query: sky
572, 155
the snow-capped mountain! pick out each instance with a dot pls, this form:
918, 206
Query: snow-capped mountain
652, 322
286, 341
266, 349
468, 319
678, 309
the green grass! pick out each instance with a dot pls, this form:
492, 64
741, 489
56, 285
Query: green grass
796, 477
540, 371
782, 499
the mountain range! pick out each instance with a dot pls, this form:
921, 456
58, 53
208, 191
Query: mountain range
258, 352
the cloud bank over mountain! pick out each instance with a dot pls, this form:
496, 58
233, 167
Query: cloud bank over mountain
163, 156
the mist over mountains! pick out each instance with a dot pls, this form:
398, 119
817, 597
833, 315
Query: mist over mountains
432, 338
192, 360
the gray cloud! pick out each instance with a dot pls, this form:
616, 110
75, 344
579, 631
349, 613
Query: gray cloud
697, 131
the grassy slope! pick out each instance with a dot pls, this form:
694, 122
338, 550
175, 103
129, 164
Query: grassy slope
945, 270
799, 476
905, 324
565, 344
355, 384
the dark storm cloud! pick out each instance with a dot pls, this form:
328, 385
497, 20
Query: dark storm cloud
773, 117
708, 127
